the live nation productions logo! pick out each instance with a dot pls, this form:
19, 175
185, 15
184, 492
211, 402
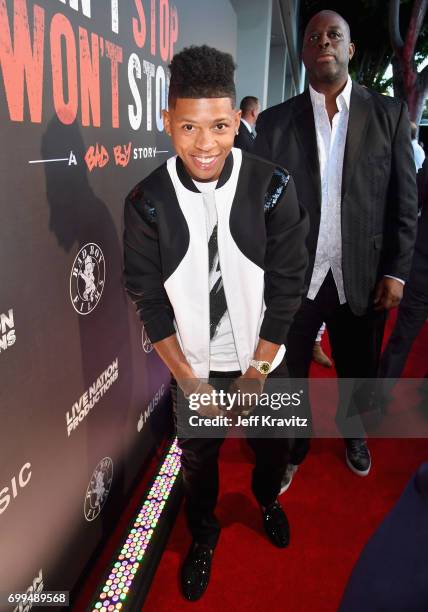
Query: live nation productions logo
98, 489
7, 330
89, 399
87, 278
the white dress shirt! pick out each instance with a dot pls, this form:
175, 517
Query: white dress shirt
331, 140
248, 126
418, 153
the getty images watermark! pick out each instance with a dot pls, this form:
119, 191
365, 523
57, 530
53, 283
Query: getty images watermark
211, 412
300, 408
227, 401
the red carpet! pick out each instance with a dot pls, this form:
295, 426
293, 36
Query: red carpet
332, 513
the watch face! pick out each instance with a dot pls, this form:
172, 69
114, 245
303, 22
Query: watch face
264, 367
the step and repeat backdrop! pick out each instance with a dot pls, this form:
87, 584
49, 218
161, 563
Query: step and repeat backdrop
83, 397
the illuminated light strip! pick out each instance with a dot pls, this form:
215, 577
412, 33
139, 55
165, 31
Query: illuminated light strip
115, 590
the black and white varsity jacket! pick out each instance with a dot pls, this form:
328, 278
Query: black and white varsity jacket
261, 246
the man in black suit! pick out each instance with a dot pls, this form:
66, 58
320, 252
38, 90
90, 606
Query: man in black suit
250, 108
349, 151
413, 311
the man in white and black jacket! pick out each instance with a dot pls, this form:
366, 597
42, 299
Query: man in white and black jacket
215, 260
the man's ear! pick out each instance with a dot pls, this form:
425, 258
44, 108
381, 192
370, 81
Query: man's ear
238, 114
166, 122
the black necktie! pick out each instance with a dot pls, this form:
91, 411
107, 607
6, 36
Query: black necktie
218, 304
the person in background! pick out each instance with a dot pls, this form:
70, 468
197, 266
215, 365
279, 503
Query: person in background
215, 260
318, 354
418, 151
349, 151
413, 310
250, 109
390, 573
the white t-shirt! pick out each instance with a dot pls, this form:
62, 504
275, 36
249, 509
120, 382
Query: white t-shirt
223, 355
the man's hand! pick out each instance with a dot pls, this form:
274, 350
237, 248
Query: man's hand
200, 393
388, 294
211, 410
248, 388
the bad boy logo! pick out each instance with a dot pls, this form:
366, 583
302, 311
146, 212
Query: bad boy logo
147, 345
87, 278
98, 489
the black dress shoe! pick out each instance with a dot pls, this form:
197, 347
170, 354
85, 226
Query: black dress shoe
195, 573
276, 525
358, 456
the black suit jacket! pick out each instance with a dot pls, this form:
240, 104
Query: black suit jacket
379, 203
244, 140
419, 273
422, 182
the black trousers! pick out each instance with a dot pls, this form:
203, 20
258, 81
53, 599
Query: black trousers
412, 314
199, 461
356, 343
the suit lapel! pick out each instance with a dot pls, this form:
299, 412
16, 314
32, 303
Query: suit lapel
359, 113
304, 128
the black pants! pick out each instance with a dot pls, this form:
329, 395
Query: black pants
356, 343
412, 314
199, 461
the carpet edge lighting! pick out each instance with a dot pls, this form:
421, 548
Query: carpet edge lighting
122, 583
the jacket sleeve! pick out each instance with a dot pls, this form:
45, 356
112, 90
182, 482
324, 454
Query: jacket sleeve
286, 257
401, 214
143, 268
422, 182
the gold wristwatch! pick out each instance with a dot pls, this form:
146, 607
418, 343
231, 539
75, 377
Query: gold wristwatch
264, 367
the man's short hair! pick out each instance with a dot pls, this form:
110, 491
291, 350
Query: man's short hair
202, 72
413, 130
334, 13
248, 103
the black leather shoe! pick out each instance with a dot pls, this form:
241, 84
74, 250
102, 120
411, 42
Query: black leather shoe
358, 456
276, 525
195, 573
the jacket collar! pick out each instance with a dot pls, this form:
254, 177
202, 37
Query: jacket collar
304, 128
318, 99
187, 181
359, 114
